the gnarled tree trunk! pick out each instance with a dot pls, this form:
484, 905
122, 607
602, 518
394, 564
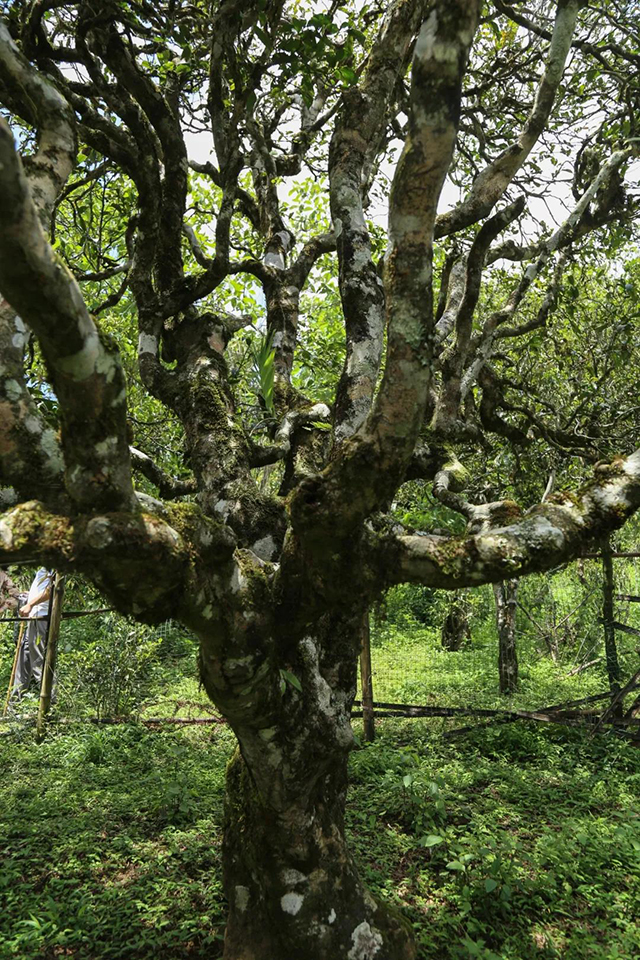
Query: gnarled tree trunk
292, 885
275, 586
290, 879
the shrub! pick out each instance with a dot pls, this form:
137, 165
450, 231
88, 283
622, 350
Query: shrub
114, 672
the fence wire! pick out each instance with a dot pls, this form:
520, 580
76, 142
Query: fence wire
559, 640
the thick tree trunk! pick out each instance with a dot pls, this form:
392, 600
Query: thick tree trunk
292, 885
505, 594
291, 882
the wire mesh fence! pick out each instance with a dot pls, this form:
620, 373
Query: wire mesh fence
415, 659
428, 648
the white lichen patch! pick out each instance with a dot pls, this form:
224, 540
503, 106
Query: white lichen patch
168, 532
107, 446
331, 703
147, 344
32, 424
6, 537
51, 448
362, 356
206, 537
612, 496
105, 364
332, 916
366, 942
361, 258
427, 37
98, 533
21, 336
151, 504
222, 508
242, 898
292, 878
291, 903
13, 390
265, 548
238, 582
81, 365
541, 529
8, 497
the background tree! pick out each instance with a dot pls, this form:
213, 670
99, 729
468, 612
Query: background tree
107, 225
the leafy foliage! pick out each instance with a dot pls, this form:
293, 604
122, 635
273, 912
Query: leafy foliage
113, 672
263, 357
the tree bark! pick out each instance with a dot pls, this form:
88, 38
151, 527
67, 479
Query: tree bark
290, 879
455, 629
505, 594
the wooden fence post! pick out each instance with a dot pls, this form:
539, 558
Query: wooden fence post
20, 632
366, 680
608, 617
53, 631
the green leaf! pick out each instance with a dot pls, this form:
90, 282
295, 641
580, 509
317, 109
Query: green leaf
455, 865
263, 358
490, 884
348, 74
292, 679
358, 35
431, 840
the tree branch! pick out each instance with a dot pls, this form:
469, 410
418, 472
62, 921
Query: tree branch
370, 466
482, 345
168, 487
30, 455
263, 455
360, 125
492, 182
547, 536
50, 167
142, 563
87, 375
439, 64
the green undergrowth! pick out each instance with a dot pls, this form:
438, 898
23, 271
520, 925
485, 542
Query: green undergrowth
409, 665
511, 842
110, 843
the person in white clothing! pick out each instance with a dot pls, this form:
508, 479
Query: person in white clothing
32, 650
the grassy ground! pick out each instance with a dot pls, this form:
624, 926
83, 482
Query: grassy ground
409, 665
513, 842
